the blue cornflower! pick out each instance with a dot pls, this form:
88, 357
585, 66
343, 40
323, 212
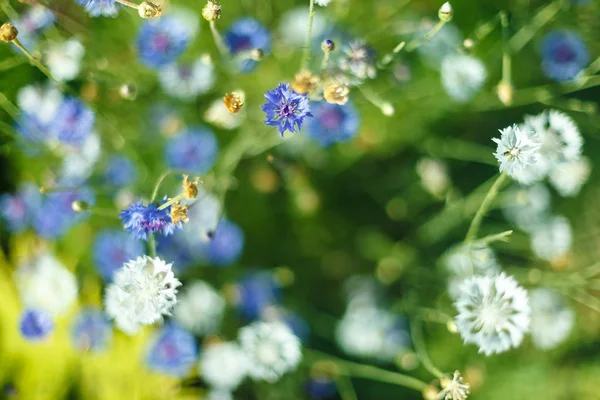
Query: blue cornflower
143, 220
173, 352
256, 292
55, 215
194, 150
333, 123
100, 8
73, 121
564, 55
244, 35
286, 109
91, 330
227, 244
120, 171
160, 42
112, 249
36, 324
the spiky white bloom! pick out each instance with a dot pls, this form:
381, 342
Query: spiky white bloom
434, 175
465, 260
528, 206
64, 59
199, 308
45, 283
371, 332
462, 76
272, 349
568, 177
560, 142
218, 115
323, 3
185, 82
551, 318
493, 313
224, 366
455, 388
552, 239
142, 292
517, 151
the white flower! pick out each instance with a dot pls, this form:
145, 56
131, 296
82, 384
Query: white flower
323, 3
218, 115
272, 349
40, 102
517, 150
64, 59
224, 366
199, 308
551, 240
371, 332
444, 44
527, 207
551, 318
493, 313
454, 389
218, 395
45, 283
204, 217
560, 142
186, 81
465, 260
143, 291
462, 76
78, 163
568, 177
294, 23
434, 175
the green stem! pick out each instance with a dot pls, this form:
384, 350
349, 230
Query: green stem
306, 53
160, 180
388, 58
128, 3
416, 330
11, 63
34, 61
356, 370
172, 201
497, 237
223, 50
152, 245
101, 212
487, 201
544, 16
414, 44
506, 51
345, 388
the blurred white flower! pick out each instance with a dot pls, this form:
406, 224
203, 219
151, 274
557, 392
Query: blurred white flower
551, 318
204, 217
294, 22
223, 366
551, 240
218, 395
45, 283
455, 388
143, 291
434, 175
64, 59
527, 206
568, 177
78, 163
199, 308
444, 44
272, 349
372, 332
465, 260
323, 3
218, 115
462, 76
493, 313
186, 81
517, 150
40, 102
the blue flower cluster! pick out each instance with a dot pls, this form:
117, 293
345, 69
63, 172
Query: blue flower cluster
100, 8
142, 220
120, 171
193, 149
173, 351
36, 324
286, 109
564, 55
333, 123
112, 249
244, 35
160, 42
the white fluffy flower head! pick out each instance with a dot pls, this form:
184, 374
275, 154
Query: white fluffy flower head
568, 177
64, 59
199, 308
462, 76
517, 150
272, 349
465, 260
455, 388
143, 291
224, 366
493, 313
551, 318
551, 240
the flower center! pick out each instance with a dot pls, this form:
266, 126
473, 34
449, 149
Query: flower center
564, 54
331, 119
287, 110
267, 353
161, 42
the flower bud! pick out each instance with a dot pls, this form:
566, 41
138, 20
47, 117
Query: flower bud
505, 93
149, 10
80, 206
336, 94
211, 11
257, 54
387, 109
234, 101
445, 12
327, 46
305, 82
8, 32
128, 91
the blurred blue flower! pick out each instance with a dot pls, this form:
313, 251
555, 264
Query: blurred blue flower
226, 245
14, 211
31, 24
120, 171
55, 215
175, 249
244, 35
143, 220
333, 123
36, 324
194, 150
91, 330
173, 352
160, 42
112, 249
100, 8
285, 108
73, 121
32, 129
564, 55
321, 387
257, 291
